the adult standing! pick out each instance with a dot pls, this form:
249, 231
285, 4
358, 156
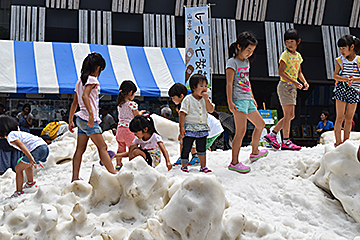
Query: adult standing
25, 118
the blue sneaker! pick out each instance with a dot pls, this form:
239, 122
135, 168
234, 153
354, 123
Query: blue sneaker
111, 155
178, 162
195, 161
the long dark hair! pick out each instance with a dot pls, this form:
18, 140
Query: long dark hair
7, 124
139, 123
243, 40
348, 40
126, 87
90, 63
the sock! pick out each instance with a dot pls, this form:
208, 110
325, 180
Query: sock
273, 133
285, 140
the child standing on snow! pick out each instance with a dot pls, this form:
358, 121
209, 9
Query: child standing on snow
347, 76
241, 100
127, 110
193, 121
289, 72
87, 119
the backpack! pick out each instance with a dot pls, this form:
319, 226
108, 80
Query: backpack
51, 129
338, 59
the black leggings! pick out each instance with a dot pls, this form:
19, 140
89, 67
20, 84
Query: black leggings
187, 145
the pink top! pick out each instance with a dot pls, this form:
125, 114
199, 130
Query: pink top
126, 113
93, 97
150, 144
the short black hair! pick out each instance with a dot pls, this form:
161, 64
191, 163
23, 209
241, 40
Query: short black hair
292, 34
177, 89
7, 124
326, 113
25, 106
195, 80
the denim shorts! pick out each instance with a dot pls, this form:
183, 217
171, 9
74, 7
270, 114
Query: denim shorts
39, 154
245, 106
84, 129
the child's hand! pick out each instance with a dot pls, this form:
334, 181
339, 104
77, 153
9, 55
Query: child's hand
205, 95
169, 165
141, 112
91, 121
232, 107
299, 85
40, 165
350, 80
182, 132
71, 127
306, 86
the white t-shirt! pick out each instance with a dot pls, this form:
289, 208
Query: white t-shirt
214, 125
93, 98
30, 141
152, 143
195, 110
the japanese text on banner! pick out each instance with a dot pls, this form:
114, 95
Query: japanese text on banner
197, 57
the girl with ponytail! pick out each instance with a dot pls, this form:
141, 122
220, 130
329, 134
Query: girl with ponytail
127, 110
347, 86
241, 100
87, 119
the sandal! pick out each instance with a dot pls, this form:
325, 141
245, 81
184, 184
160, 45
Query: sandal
205, 170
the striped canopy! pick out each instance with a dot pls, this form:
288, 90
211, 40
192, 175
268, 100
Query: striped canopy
54, 68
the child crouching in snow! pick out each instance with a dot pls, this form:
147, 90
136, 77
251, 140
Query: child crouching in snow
147, 142
34, 148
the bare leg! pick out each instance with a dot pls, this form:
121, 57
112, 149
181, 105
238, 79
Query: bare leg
19, 168
350, 111
135, 151
259, 123
98, 139
80, 149
202, 161
29, 174
240, 125
340, 116
285, 122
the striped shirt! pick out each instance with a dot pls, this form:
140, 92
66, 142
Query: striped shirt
350, 68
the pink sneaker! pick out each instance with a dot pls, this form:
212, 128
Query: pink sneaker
290, 146
270, 139
262, 153
241, 168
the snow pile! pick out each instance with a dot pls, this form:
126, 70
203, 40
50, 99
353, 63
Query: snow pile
329, 137
339, 174
195, 211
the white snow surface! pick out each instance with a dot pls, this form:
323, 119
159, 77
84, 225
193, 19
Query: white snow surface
309, 194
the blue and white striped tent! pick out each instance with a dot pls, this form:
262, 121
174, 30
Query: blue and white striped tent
54, 68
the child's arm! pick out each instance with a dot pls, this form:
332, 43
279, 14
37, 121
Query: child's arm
209, 105
181, 124
229, 88
86, 100
137, 112
303, 80
26, 151
284, 76
337, 77
72, 112
166, 155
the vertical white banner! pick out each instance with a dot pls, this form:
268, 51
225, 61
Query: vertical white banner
197, 43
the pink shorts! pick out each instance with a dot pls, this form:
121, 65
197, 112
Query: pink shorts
124, 137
